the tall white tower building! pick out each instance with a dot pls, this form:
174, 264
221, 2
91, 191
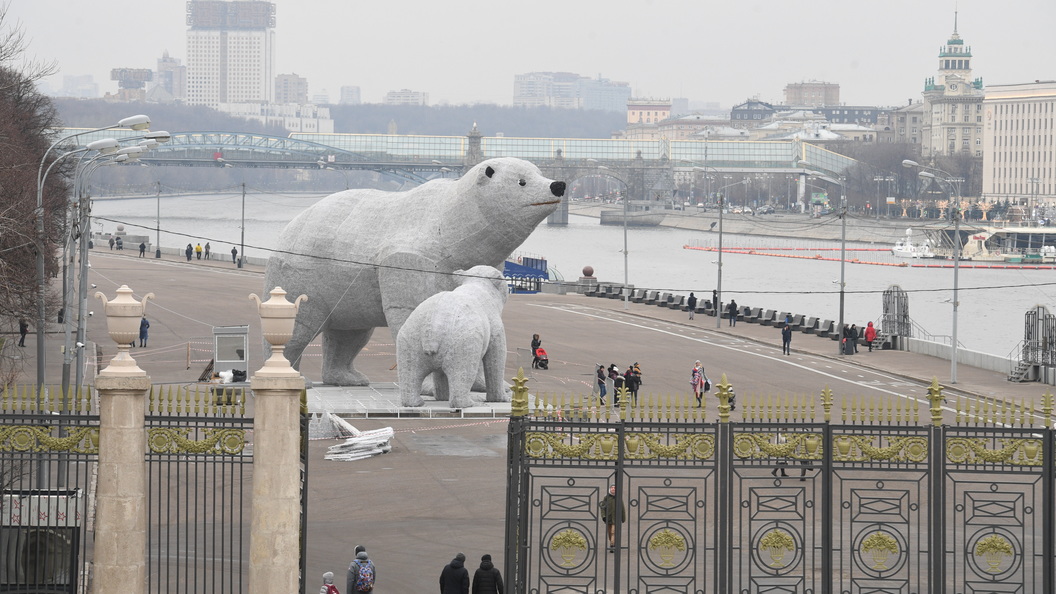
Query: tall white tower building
953, 104
230, 52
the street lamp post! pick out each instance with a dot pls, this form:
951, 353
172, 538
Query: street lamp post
138, 122
1033, 196
242, 249
880, 178
718, 283
157, 229
843, 247
626, 277
942, 177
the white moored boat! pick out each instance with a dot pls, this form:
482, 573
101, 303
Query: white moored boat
905, 248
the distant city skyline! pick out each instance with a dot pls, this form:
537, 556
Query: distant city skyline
878, 52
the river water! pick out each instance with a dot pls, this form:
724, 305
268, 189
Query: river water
990, 315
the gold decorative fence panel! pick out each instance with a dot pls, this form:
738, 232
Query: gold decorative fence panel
818, 494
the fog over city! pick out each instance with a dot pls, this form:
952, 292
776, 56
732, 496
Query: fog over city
469, 51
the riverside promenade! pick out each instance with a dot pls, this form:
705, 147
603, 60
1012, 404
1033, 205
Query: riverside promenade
441, 489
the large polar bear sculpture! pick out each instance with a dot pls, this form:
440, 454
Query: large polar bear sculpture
452, 332
367, 258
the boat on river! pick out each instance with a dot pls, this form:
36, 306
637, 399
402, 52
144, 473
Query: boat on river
1018, 244
905, 248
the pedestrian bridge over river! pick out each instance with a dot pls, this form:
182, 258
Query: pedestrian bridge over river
648, 169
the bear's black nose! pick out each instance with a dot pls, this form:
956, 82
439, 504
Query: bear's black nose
557, 188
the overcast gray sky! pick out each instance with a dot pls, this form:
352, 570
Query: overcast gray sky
467, 51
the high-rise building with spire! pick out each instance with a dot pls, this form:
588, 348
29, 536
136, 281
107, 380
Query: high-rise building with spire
953, 103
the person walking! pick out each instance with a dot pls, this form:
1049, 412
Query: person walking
715, 302
536, 343
692, 304
112, 242
328, 586
609, 508
142, 249
188, 251
454, 579
361, 573
487, 579
198, 251
600, 380
207, 250
143, 326
23, 328
234, 255
786, 339
853, 335
731, 309
696, 380
870, 335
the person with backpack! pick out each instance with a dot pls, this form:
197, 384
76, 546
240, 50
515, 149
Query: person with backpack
328, 586
454, 579
487, 579
361, 572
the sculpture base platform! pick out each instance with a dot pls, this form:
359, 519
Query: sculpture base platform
383, 400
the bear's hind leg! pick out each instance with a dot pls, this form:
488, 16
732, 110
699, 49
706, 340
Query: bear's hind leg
460, 382
340, 348
411, 376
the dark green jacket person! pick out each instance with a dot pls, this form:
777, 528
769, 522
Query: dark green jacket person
608, 514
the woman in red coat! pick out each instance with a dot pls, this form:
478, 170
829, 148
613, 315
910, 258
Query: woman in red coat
870, 336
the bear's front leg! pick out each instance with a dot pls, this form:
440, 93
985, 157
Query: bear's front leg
340, 348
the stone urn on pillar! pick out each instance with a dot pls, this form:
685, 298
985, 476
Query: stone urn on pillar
277, 317
122, 321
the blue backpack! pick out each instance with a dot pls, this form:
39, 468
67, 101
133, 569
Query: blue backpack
365, 578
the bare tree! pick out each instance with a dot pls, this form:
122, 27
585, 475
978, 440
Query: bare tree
27, 122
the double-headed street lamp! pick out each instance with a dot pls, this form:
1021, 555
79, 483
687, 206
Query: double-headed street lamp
843, 247
945, 179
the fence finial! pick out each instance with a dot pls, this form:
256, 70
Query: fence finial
519, 402
826, 403
936, 398
724, 394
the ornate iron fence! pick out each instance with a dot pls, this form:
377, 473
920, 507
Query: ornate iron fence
885, 498
199, 460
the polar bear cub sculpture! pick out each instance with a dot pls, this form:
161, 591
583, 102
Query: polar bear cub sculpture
452, 333
367, 258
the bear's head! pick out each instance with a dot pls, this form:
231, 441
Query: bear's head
512, 193
484, 275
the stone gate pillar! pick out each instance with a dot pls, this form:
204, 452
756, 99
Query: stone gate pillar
274, 540
121, 509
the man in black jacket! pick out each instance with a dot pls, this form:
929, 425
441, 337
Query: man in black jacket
487, 579
454, 579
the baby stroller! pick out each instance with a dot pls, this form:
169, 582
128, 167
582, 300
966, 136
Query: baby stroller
541, 360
